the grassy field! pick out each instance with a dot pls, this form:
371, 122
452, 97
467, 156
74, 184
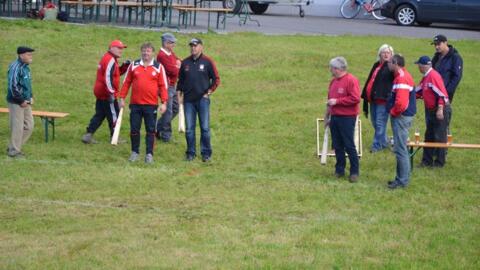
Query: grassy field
264, 202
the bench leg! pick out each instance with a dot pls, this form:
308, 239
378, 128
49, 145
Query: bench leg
45, 127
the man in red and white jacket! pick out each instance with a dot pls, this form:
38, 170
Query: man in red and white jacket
437, 110
171, 63
402, 107
343, 109
106, 86
149, 82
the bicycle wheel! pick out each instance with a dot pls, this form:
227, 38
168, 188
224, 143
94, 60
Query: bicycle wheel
349, 9
376, 10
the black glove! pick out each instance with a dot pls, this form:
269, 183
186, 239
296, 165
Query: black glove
365, 108
127, 62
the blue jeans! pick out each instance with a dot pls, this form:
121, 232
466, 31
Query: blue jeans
379, 118
342, 129
149, 115
202, 109
164, 124
400, 127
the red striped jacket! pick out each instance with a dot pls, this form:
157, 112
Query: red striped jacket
148, 83
108, 77
432, 89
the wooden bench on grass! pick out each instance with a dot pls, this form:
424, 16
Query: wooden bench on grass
47, 118
185, 14
418, 145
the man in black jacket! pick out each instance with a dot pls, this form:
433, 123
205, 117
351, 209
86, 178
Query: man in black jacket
448, 62
198, 79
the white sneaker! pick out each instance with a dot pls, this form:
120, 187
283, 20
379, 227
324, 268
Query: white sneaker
149, 158
133, 157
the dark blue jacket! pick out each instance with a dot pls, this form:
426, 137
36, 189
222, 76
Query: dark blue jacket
450, 68
196, 77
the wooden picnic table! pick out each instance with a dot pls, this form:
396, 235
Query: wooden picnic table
412, 145
48, 118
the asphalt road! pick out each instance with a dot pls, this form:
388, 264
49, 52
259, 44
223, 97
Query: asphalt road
287, 22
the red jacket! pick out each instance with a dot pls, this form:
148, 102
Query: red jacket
402, 87
347, 92
148, 83
432, 89
169, 62
108, 77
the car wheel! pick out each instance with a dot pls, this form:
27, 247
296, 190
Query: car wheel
234, 5
405, 15
258, 8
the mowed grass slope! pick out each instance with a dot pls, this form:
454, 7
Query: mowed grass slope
264, 202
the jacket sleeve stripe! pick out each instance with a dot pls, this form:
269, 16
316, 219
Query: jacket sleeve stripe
109, 75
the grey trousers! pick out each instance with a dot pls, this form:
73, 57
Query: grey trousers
21, 126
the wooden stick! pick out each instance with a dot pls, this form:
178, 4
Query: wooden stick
323, 158
118, 124
181, 118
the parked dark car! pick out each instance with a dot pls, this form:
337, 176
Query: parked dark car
425, 12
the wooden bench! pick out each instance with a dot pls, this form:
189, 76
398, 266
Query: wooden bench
412, 145
47, 118
185, 14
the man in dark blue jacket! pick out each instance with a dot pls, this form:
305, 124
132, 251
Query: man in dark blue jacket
448, 62
198, 80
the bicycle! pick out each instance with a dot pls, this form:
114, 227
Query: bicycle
350, 8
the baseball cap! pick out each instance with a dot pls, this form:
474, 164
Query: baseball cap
195, 41
117, 43
439, 38
424, 60
23, 49
169, 37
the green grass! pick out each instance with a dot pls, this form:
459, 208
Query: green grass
264, 202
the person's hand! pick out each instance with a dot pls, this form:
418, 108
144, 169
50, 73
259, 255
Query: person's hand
121, 103
178, 63
162, 107
439, 113
111, 99
24, 104
127, 62
332, 102
31, 101
209, 92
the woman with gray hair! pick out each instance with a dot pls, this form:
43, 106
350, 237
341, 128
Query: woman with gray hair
376, 92
342, 110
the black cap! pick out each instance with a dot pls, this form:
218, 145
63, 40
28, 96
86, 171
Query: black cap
195, 41
439, 38
22, 50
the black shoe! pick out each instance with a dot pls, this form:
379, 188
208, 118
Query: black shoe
437, 164
425, 165
206, 159
390, 182
353, 178
189, 157
396, 185
339, 175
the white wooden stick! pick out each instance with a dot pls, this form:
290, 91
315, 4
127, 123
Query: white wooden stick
118, 124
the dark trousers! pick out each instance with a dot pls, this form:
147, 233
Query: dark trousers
342, 129
149, 115
436, 132
164, 124
104, 109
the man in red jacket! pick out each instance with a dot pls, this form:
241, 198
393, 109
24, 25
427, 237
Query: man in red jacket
106, 87
402, 107
343, 109
171, 63
437, 111
148, 80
